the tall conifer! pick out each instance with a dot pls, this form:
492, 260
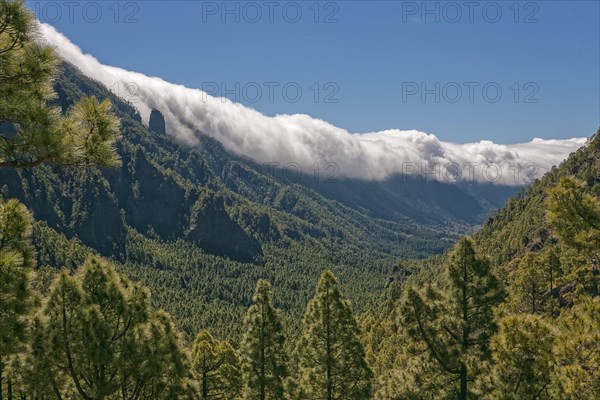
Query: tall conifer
262, 351
455, 322
331, 357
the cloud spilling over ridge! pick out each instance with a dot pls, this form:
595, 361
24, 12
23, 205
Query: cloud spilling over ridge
304, 140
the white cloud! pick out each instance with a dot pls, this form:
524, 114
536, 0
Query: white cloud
305, 141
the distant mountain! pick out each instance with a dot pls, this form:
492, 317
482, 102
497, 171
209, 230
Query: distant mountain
520, 226
199, 226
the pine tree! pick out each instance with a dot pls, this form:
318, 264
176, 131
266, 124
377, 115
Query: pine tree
577, 351
156, 366
553, 271
455, 322
414, 376
529, 281
16, 260
575, 216
31, 131
33, 370
97, 336
523, 359
262, 351
216, 365
89, 318
331, 357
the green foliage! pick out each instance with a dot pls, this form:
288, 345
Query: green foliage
97, 338
542, 246
91, 130
262, 349
16, 259
414, 376
15, 232
223, 217
523, 359
331, 357
31, 131
575, 216
455, 322
577, 351
529, 221
528, 282
160, 365
224, 224
216, 366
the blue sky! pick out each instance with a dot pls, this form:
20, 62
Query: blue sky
364, 66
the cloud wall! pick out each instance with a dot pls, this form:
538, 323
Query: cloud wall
304, 141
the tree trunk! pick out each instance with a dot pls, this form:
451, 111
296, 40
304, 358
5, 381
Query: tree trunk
204, 386
329, 355
551, 290
533, 293
262, 355
465, 335
463, 382
1, 370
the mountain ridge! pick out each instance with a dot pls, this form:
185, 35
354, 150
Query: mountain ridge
171, 213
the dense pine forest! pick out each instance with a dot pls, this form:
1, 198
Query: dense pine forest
511, 313
180, 219
258, 290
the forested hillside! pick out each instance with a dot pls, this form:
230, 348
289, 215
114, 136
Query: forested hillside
512, 313
200, 226
135, 268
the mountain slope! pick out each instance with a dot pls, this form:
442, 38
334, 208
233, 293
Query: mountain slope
521, 225
544, 275
200, 226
